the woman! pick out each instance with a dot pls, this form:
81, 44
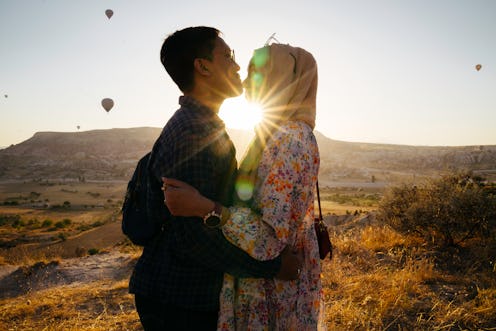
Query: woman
275, 192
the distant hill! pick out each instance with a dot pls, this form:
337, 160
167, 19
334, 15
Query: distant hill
112, 155
390, 163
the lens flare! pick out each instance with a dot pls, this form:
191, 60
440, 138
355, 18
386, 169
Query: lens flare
257, 79
244, 189
260, 57
237, 113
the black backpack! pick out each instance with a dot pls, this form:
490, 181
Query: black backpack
139, 224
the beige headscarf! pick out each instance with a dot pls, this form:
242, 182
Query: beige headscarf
289, 88
288, 91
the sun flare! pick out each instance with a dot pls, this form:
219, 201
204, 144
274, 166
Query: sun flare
237, 113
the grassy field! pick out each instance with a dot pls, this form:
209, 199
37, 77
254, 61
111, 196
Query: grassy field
80, 195
345, 200
381, 280
378, 279
36, 215
94, 306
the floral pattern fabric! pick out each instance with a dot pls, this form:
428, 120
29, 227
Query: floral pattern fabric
284, 194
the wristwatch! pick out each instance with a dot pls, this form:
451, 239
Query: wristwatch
217, 217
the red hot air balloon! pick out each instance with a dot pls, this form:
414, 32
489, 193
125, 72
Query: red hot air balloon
109, 13
478, 67
107, 104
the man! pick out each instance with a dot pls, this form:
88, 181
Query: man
178, 278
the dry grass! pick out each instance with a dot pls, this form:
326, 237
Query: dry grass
331, 207
378, 279
26, 255
381, 280
99, 306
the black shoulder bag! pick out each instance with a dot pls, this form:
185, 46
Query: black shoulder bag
325, 245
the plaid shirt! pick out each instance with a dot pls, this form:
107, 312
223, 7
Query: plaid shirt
184, 266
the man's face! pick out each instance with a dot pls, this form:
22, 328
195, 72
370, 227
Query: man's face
225, 78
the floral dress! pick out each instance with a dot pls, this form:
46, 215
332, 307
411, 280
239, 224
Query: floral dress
284, 194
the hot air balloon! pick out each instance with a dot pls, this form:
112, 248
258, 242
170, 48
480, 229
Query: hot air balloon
78, 127
5, 95
478, 67
109, 13
107, 104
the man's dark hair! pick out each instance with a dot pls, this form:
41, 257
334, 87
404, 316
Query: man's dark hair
181, 48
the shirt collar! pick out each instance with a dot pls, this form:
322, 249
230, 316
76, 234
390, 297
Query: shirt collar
191, 104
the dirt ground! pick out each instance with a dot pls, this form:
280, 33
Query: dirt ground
20, 280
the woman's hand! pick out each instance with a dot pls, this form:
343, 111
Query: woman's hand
183, 199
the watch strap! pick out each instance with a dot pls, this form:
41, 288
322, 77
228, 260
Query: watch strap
216, 212
220, 212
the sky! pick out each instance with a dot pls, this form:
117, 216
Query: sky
390, 71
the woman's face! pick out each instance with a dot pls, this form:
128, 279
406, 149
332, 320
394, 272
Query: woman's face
254, 83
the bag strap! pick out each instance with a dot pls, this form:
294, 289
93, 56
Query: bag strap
318, 199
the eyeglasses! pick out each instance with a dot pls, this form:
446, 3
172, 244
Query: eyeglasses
229, 55
271, 38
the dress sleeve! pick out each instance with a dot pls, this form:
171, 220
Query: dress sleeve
289, 166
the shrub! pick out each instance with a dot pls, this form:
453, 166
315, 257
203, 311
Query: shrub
5, 219
97, 223
46, 223
18, 223
33, 223
93, 251
446, 211
60, 225
83, 227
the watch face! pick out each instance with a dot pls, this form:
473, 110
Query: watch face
212, 221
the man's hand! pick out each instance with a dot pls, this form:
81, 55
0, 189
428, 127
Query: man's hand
183, 199
291, 264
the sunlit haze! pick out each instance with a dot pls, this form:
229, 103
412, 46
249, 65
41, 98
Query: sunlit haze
237, 113
390, 71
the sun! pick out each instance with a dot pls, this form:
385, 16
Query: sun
237, 113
